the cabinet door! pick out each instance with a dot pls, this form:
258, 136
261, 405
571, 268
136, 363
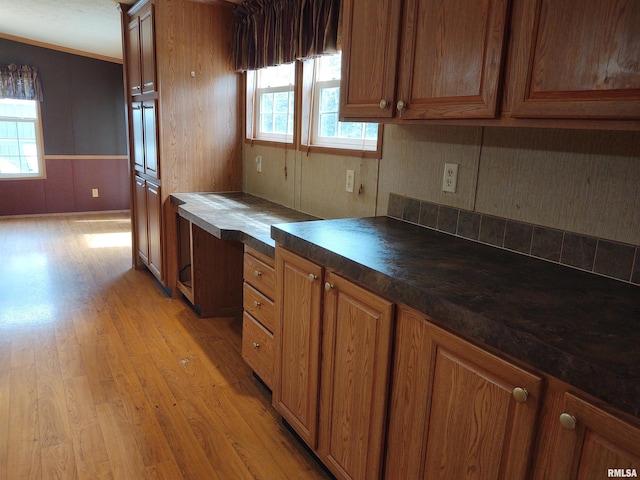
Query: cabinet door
142, 235
455, 408
369, 57
150, 139
356, 351
297, 337
576, 59
137, 128
133, 57
154, 221
451, 61
587, 444
147, 50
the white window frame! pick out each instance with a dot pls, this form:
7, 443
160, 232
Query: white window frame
254, 97
37, 123
335, 142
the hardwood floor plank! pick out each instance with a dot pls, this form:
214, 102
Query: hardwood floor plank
189, 455
124, 458
23, 452
5, 390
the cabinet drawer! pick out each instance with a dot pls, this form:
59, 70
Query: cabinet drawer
259, 275
259, 306
257, 348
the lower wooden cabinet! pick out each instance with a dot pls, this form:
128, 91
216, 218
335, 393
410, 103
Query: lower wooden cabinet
356, 352
580, 440
148, 228
341, 415
456, 410
297, 338
259, 314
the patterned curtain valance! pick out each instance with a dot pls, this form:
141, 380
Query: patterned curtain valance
272, 32
20, 82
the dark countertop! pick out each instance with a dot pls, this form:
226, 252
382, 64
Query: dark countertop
578, 327
236, 216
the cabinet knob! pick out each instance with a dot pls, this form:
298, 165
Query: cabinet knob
383, 104
256, 303
256, 345
312, 277
520, 394
328, 286
568, 421
401, 106
257, 273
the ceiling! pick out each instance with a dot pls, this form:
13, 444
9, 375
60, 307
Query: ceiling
90, 27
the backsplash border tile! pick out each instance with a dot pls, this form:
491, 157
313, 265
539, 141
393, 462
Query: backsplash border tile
599, 256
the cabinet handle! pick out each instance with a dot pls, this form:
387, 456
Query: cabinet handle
148, 84
328, 286
257, 273
312, 277
401, 105
135, 87
520, 394
256, 345
383, 104
256, 303
568, 421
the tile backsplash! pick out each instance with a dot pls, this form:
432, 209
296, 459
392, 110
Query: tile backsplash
615, 260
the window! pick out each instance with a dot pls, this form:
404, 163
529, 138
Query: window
272, 102
271, 109
20, 139
326, 129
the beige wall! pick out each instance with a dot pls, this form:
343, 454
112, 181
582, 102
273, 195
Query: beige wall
583, 181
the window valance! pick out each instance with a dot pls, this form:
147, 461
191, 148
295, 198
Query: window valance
20, 82
273, 32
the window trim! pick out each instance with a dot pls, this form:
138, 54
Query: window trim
42, 174
252, 112
302, 105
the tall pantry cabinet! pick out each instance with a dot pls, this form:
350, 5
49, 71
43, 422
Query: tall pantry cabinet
182, 110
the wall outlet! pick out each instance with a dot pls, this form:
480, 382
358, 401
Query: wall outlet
259, 163
94, 193
350, 180
450, 178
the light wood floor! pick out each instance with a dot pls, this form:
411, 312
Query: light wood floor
103, 376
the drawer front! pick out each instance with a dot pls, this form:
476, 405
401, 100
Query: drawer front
257, 348
260, 275
259, 306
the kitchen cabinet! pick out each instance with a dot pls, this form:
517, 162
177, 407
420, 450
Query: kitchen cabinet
181, 84
141, 51
442, 59
356, 352
259, 314
341, 415
456, 408
145, 138
297, 342
576, 60
209, 271
148, 222
579, 439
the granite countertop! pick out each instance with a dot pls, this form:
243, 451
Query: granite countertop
236, 216
578, 327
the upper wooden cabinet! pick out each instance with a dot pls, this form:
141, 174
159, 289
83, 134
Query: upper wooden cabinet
578, 59
449, 64
141, 52
571, 63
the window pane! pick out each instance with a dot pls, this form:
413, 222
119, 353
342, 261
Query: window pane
266, 103
281, 102
329, 67
279, 76
266, 123
350, 130
328, 125
329, 99
371, 131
